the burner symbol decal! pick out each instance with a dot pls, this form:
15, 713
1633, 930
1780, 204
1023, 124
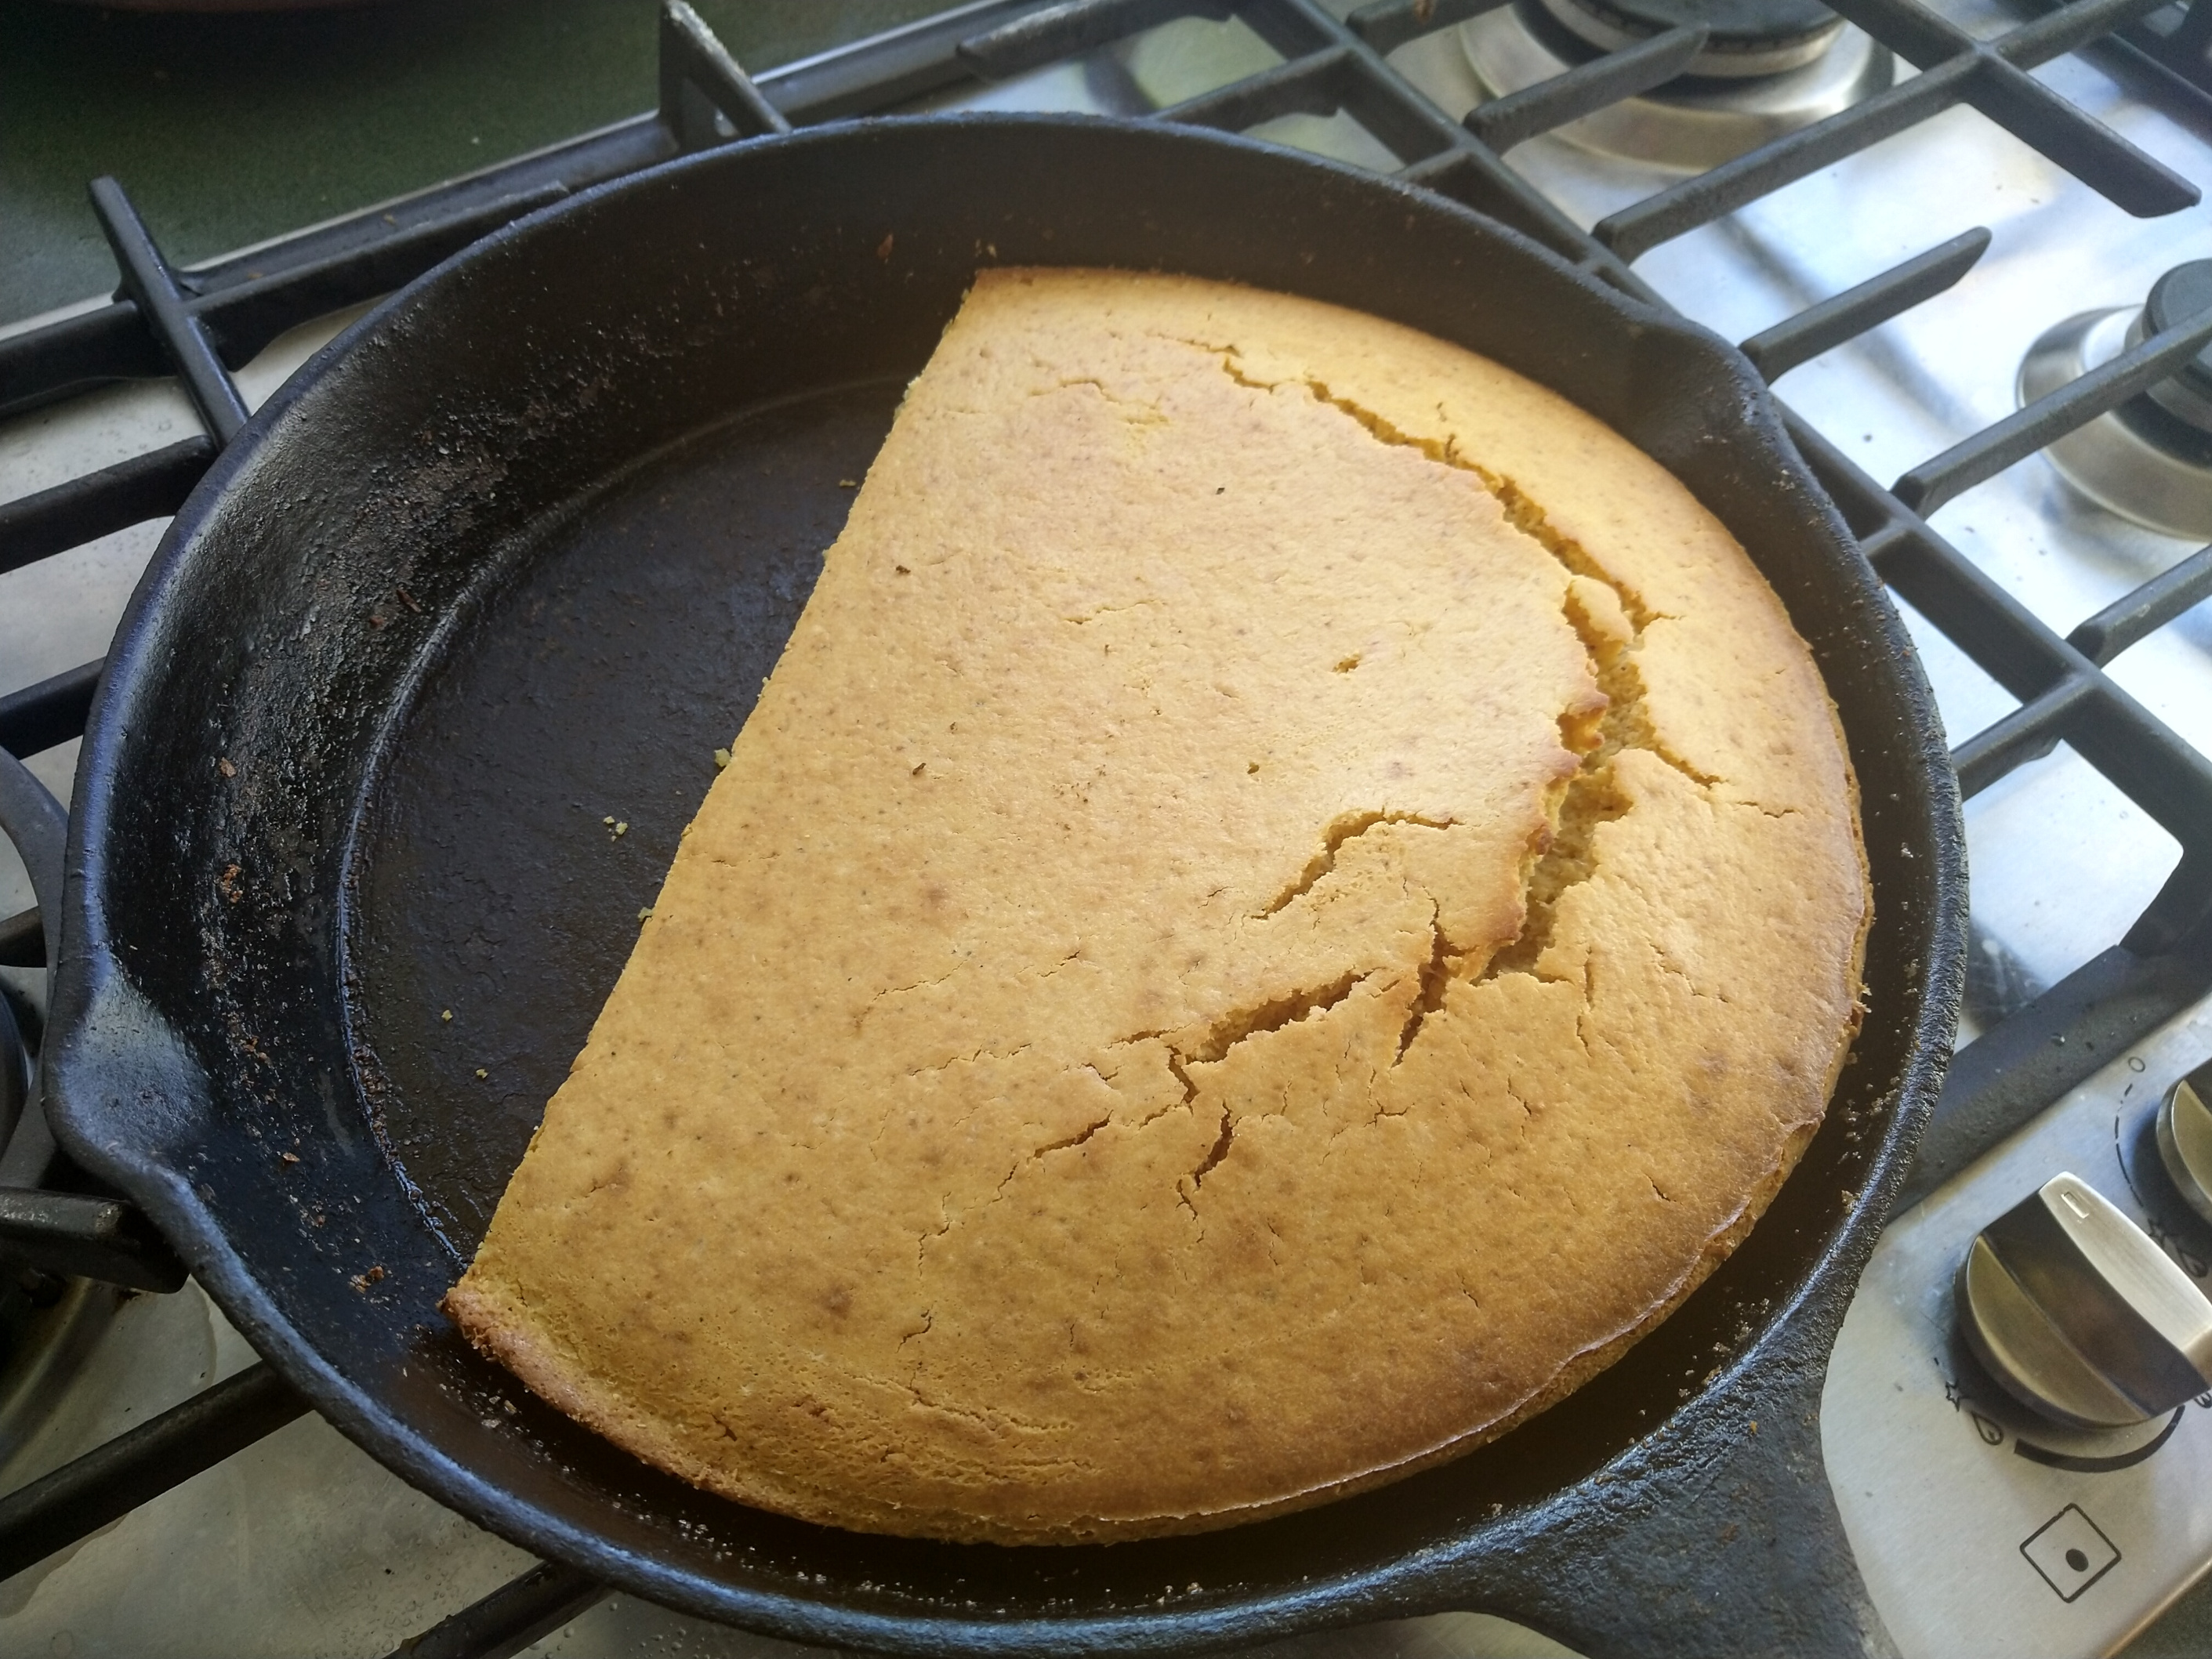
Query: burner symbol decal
1991, 1433
2070, 1552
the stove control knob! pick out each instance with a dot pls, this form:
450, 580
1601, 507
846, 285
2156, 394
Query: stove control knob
2074, 1310
2185, 1139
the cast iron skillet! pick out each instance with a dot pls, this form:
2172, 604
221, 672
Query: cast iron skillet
511, 558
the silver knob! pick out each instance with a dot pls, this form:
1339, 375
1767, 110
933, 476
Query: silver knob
2075, 1311
2185, 1137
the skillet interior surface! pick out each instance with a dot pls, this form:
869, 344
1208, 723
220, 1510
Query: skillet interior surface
588, 689
512, 558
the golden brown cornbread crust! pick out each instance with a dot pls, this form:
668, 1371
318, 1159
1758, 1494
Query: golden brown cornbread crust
1290, 895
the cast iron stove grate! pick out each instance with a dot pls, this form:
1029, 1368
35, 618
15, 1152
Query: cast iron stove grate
201, 325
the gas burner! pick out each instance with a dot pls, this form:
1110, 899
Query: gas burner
1768, 67
1745, 38
2150, 459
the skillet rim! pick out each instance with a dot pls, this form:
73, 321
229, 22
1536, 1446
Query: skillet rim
90, 972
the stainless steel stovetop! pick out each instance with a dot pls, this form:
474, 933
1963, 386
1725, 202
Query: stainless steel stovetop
1966, 1513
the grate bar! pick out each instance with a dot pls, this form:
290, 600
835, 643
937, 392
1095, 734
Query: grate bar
1412, 131
248, 300
1386, 25
1635, 230
79, 1235
2029, 732
243, 316
1446, 158
2023, 432
2115, 168
2001, 90
1956, 68
1825, 326
149, 486
2140, 755
699, 78
2144, 611
2193, 33
53, 711
113, 343
150, 281
1518, 117
519, 1612
22, 940
1911, 31
1074, 28
1893, 540
1303, 86
110, 343
2010, 1073
2068, 29
39, 826
2005, 639
108, 1482
2071, 28
876, 76
1924, 38
2162, 59
34, 718
1475, 178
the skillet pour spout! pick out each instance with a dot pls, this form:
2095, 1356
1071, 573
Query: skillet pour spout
426, 607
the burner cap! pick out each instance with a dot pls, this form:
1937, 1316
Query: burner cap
1747, 37
2175, 298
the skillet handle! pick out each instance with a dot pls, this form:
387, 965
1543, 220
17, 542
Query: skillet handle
699, 80
65, 1233
1720, 1537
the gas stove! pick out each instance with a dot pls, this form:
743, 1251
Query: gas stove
1960, 240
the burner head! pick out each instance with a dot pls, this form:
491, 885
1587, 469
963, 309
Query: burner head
2150, 459
1744, 90
1745, 36
2176, 297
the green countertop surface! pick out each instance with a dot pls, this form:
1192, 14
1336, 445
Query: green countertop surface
228, 129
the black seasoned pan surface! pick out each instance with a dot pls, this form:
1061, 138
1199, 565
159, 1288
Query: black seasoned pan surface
510, 561
532, 802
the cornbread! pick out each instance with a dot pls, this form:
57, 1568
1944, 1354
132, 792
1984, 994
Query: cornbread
1290, 895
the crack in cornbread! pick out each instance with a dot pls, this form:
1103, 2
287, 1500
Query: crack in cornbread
1290, 895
